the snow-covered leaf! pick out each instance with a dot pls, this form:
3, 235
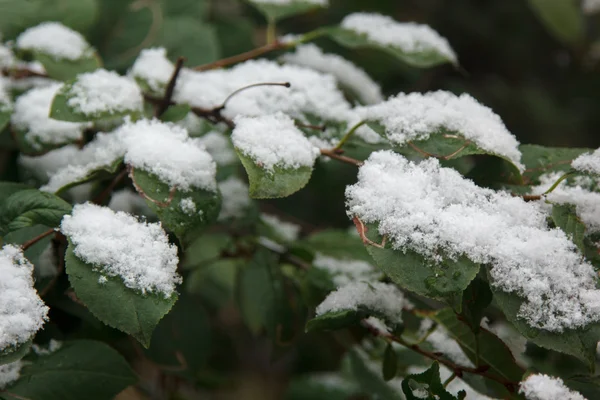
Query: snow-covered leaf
541, 160
31, 207
544, 387
565, 217
278, 9
415, 44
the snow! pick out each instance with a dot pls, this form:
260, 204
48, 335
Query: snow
589, 162
344, 271
516, 342
386, 299
22, 312
408, 37
310, 92
590, 6
5, 101
348, 74
544, 387
46, 165
286, 230
10, 373
273, 141
154, 68
235, 198
454, 387
102, 152
586, 201
220, 148
415, 116
322, 3
46, 265
30, 115
188, 206
129, 202
7, 58
117, 244
443, 343
104, 92
167, 151
439, 214
377, 324
56, 40
52, 347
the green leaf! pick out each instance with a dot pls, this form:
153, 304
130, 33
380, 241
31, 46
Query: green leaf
185, 224
279, 183
580, 343
179, 35
215, 282
97, 174
175, 113
484, 347
61, 110
541, 160
113, 303
426, 384
369, 377
445, 280
256, 292
10, 355
206, 248
8, 188
65, 69
5, 113
31, 207
565, 217
562, 18
335, 243
390, 363
275, 12
235, 35
475, 300
332, 321
82, 369
418, 58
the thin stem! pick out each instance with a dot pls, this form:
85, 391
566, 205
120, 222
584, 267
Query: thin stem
308, 126
222, 106
331, 153
269, 47
348, 135
558, 182
166, 101
271, 31
36, 239
427, 334
450, 379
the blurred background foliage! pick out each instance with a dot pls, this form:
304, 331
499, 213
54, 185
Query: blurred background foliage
535, 68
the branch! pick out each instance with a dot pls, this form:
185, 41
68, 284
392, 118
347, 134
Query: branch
222, 106
36, 239
22, 73
331, 153
166, 101
277, 45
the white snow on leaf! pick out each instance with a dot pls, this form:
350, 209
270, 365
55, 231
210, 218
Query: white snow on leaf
590, 6
47, 263
104, 92
44, 166
416, 116
437, 213
154, 68
51, 347
10, 373
348, 74
31, 116
589, 162
386, 299
22, 312
286, 230
102, 152
188, 206
7, 58
544, 387
117, 244
586, 201
235, 198
5, 101
273, 141
377, 324
129, 202
443, 343
344, 271
310, 92
409, 37
167, 151
220, 148
454, 387
24, 84
56, 40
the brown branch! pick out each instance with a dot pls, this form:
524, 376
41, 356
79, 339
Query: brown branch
529, 197
321, 128
277, 45
213, 115
331, 153
36, 239
22, 73
166, 101
455, 368
139, 189
101, 198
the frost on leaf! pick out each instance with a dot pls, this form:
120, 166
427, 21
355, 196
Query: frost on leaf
167, 151
416, 116
383, 298
22, 312
348, 74
408, 37
56, 40
310, 92
104, 92
544, 387
10, 373
589, 163
30, 116
440, 215
273, 141
153, 69
119, 245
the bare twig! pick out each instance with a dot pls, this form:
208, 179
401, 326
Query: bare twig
331, 153
36, 239
222, 106
166, 101
277, 45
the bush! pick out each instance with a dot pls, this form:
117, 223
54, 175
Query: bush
147, 251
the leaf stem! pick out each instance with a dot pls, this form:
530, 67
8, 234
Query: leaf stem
331, 153
36, 239
558, 182
271, 31
450, 379
348, 135
222, 106
166, 101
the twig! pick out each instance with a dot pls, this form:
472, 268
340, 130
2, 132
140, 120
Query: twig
308, 126
534, 197
277, 45
349, 134
21, 73
222, 106
362, 232
101, 198
139, 189
331, 153
166, 101
36, 239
